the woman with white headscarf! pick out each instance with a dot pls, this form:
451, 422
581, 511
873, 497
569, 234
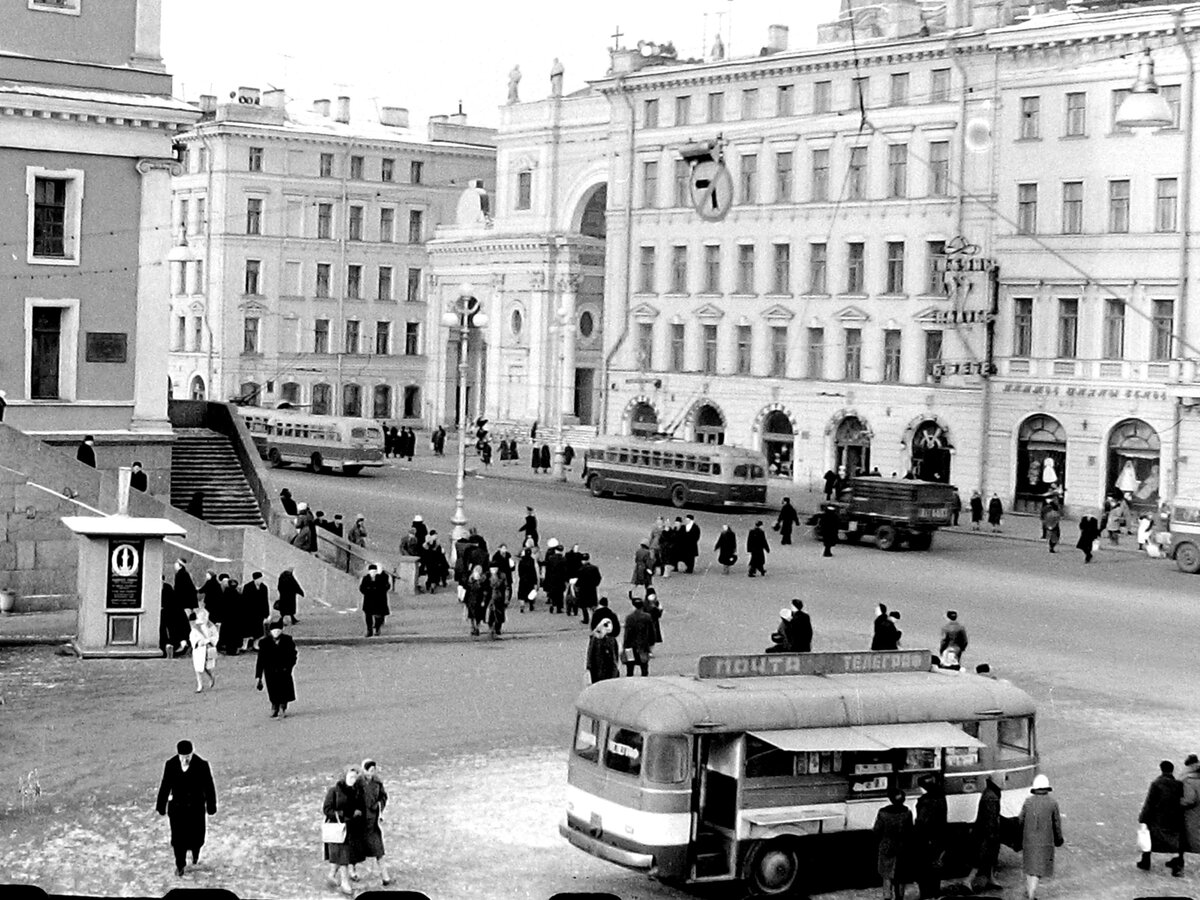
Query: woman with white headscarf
203, 638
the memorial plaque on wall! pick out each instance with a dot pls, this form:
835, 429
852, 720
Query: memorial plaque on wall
107, 346
125, 573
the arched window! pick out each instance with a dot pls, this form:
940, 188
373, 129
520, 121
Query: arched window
351, 400
644, 421
196, 389
1133, 464
381, 402
412, 402
322, 399
1041, 462
290, 393
710, 425
777, 442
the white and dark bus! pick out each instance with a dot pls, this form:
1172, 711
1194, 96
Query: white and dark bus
682, 472
322, 443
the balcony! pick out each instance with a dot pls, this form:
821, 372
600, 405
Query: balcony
1136, 371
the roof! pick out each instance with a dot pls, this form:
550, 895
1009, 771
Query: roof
679, 704
159, 103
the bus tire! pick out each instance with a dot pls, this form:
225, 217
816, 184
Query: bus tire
316, 463
772, 868
274, 458
886, 538
679, 496
922, 540
596, 486
1187, 557
351, 470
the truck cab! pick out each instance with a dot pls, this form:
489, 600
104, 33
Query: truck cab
893, 510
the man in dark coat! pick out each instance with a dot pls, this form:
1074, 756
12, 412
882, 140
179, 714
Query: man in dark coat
374, 588
86, 453
639, 639
186, 795
830, 483
886, 636
587, 586
286, 501
185, 588
212, 594
421, 530
929, 838
276, 658
137, 478
828, 525
554, 576
173, 624
1089, 532
230, 639
788, 519
256, 608
602, 613
757, 549
893, 828
1162, 813
800, 631
287, 590
689, 542
530, 528
985, 835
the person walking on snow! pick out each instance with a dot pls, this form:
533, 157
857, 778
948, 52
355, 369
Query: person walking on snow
788, 519
726, 548
757, 548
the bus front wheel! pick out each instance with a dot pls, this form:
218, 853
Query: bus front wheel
772, 868
274, 458
316, 463
679, 496
596, 486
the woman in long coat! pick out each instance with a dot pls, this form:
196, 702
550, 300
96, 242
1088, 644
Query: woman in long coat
1041, 832
476, 597
374, 798
726, 547
1191, 805
643, 566
203, 638
929, 838
276, 659
602, 657
995, 512
527, 576
288, 589
893, 828
374, 588
655, 545
344, 803
497, 586
1089, 532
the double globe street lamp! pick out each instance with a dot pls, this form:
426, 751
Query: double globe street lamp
466, 314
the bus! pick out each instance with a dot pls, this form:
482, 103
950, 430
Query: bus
323, 443
763, 768
679, 471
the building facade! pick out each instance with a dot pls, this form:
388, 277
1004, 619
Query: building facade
299, 272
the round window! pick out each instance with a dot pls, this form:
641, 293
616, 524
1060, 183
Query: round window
516, 322
587, 324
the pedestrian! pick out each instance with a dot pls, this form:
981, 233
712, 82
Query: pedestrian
1190, 836
528, 579
137, 478
639, 639
587, 587
485, 452
287, 589
654, 608
374, 588
885, 634
668, 546
726, 547
175, 616
1041, 833
1089, 536
439, 441
554, 576
995, 512
374, 799
535, 457
409, 544
757, 549
953, 640
195, 506
976, 510
277, 657
655, 545
780, 642
230, 640
503, 451
568, 456
211, 596
344, 806
504, 563
788, 519
956, 506
253, 611
602, 658
643, 566
800, 631
434, 562
544, 457
166, 614
305, 538
203, 638
475, 597
690, 542
86, 453
893, 829
1162, 813
828, 525
497, 607
530, 528
186, 796
603, 613
985, 837
420, 528
286, 501
411, 446
321, 522
337, 526
358, 532
830, 482
1051, 523
929, 838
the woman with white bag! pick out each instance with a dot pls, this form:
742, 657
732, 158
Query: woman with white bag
203, 638
342, 830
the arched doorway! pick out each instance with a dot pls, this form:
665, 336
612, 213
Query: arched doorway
1134, 453
248, 394
778, 440
709, 425
930, 450
196, 388
593, 221
643, 421
852, 446
1041, 462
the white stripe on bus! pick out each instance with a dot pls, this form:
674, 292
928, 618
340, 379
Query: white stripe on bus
650, 829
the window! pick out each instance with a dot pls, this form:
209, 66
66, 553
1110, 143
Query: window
253, 276
1166, 201
891, 356
255, 162
353, 327
898, 170
1170, 93
383, 338
683, 110
1118, 207
744, 350
716, 107
1031, 113
860, 92
895, 267
412, 401
1022, 343
939, 168
197, 334
712, 269
750, 103
356, 168
326, 165
323, 278
416, 221
385, 283
1076, 124
933, 355
646, 270
781, 280
525, 189
387, 169
250, 334
254, 208
816, 353
749, 178
745, 263
1114, 328
387, 225
416, 172
679, 270
202, 160
412, 338
856, 186
852, 370
185, 225
198, 276
785, 100
677, 347
623, 752
822, 96
354, 231
290, 393
1162, 326
710, 349
351, 400
179, 335
322, 399
939, 85
683, 179
820, 174
1015, 739
1068, 328
649, 184
354, 282
381, 401
645, 346
783, 177
179, 281
1072, 208
1118, 97
855, 266
650, 113
320, 337
898, 96
1027, 203
201, 213
325, 220
818, 259
55, 202
413, 293
779, 351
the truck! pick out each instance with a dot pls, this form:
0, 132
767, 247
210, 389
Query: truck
894, 510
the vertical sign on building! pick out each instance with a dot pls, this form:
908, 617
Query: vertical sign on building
125, 573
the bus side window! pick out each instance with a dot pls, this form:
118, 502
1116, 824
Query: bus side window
764, 761
1015, 738
623, 455
740, 471
690, 464
716, 468
667, 758
623, 751
587, 738
703, 468
757, 472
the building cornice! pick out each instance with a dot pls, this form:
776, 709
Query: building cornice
275, 134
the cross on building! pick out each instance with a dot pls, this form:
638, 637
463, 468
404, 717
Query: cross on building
616, 36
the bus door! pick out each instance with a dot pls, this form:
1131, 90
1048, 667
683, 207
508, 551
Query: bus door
715, 796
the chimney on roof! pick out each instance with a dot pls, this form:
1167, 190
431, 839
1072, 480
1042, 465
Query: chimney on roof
343, 110
777, 38
458, 118
275, 98
208, 103
393, 116
321, 108
250, 96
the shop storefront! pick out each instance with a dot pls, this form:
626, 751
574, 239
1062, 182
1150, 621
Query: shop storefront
643, 420
852, 446
709, 427
930, 449
1134, 464
778, 440
1041, 462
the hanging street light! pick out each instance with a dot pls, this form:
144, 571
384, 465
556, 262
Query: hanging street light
464, 316
1145, 108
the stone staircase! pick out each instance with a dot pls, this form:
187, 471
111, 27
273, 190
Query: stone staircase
203, 460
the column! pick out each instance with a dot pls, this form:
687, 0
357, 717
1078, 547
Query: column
150, 363
539, 403
568, 287
147, 36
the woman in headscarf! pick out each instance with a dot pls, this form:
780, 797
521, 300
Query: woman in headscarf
475, 596
602, 658
1041, 832
203, 638
344, 804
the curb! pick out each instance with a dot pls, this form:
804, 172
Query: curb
29, 640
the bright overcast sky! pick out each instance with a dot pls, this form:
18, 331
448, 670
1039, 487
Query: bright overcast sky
427, 55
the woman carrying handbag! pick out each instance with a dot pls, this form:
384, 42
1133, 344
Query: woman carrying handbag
342, 831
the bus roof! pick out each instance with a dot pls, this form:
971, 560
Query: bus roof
685, 704
674, 446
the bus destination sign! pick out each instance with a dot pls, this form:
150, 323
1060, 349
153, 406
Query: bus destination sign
851, 662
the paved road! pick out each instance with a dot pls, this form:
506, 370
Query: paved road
472, 736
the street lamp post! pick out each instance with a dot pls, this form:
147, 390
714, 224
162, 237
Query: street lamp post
464, 316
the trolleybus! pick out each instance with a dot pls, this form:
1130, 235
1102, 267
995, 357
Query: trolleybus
679, 471
283, 436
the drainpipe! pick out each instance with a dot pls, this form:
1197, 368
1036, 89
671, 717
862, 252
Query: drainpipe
342, 278
1185, 206
628, 286
207, 225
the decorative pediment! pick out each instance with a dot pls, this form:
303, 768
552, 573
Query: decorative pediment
252, 306
852, 315
709, 313
929, 315
522, 162
196, 307
778, 313
644, 312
